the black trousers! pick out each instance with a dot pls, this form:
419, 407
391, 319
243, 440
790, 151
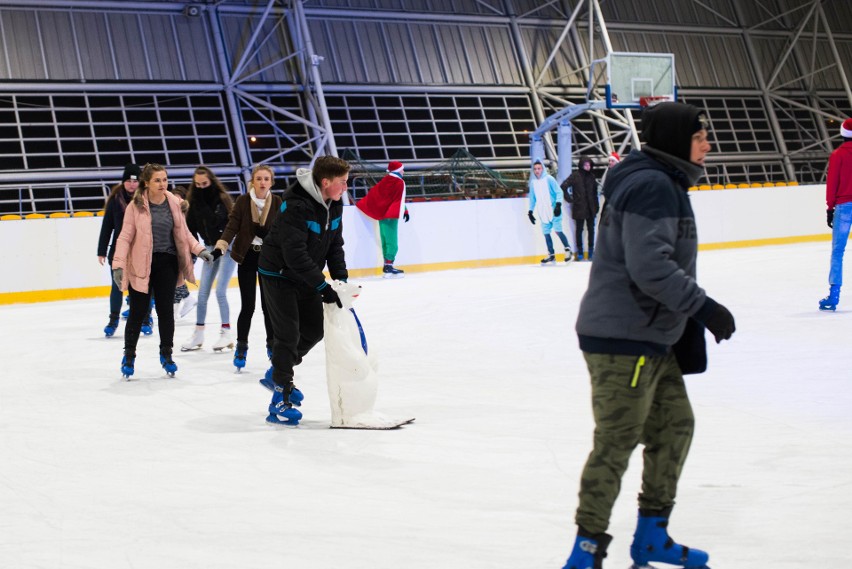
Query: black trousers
296, 314
578, 234
247, 277
162, 284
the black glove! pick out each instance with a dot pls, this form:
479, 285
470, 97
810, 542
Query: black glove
721, 323
557, 211
829, 215
405, 216
260, 230
329, 296
216, 253
532, 217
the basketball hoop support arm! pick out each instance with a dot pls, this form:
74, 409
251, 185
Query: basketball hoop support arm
564, 145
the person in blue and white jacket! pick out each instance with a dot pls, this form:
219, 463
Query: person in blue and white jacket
546, 205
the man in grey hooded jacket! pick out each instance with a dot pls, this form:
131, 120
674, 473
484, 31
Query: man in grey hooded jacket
641, 327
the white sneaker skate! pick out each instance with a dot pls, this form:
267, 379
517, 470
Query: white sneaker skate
225, 342
195, 341
187, 304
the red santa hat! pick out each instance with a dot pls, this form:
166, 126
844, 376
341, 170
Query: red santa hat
394, 166
846, 129
614, 157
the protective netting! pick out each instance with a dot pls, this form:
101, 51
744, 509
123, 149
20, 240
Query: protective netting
461, 176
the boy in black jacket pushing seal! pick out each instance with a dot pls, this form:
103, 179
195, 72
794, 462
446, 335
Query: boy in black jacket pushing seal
305, 237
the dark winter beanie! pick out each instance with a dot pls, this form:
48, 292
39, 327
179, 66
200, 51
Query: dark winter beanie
668, 127
131, 172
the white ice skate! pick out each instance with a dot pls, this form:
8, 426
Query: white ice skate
195, 341
225, 342
351, 368
187, 304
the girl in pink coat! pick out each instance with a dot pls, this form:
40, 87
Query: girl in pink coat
153, 255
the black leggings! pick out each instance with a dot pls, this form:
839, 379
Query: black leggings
162, 283
247, 277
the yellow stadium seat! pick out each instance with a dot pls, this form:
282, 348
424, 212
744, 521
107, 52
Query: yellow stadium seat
692, 188
83, 214
730, 186
703, 187
780, 184
756, 185
58, 215
10, 217
743, 186
718, 187
100, 213
35, 216
793, 183
769, 184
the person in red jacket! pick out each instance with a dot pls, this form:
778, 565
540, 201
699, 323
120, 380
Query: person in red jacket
385, 202
838, 201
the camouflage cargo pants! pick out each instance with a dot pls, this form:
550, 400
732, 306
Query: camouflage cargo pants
635, 399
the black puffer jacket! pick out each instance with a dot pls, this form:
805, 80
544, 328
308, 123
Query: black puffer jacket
112, 223
584, 191
307, 235
207, 215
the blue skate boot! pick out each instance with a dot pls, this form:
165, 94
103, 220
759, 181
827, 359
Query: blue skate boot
128, 363
831, 301
240, 356
267, 377
651, 542
148, 326
112, 326
126, 313
281, 412
589, 550
168, 363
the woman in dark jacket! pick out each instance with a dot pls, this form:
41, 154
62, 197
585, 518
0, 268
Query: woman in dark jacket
584, 200
209, 208
116, 202
248, 224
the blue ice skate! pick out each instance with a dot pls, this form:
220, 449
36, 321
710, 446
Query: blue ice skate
168, 363
148, 327
831, 301
651, 542
589, 551
296, 396
281, 412
240, 356
111, 327
127, 366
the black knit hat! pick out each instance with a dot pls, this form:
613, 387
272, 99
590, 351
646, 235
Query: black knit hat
131, 172
668, 127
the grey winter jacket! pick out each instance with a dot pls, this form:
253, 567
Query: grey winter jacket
642, 285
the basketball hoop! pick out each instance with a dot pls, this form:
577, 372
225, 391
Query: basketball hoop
651, 101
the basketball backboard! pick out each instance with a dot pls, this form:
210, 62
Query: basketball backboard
634, 76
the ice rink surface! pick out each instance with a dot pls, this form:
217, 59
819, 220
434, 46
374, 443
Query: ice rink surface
158, 473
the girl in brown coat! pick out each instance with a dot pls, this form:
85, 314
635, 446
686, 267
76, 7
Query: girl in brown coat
248, 224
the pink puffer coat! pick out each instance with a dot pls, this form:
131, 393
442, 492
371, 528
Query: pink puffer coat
135, 246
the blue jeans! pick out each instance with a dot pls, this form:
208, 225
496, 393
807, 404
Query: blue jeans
224, 268
839, 237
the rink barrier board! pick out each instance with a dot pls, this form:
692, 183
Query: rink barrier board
103, 291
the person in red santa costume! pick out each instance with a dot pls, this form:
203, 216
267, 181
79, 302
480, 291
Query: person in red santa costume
385, 202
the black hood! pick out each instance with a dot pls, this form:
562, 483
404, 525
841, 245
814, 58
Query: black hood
669, 127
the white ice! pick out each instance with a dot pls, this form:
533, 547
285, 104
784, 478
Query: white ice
158, 473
